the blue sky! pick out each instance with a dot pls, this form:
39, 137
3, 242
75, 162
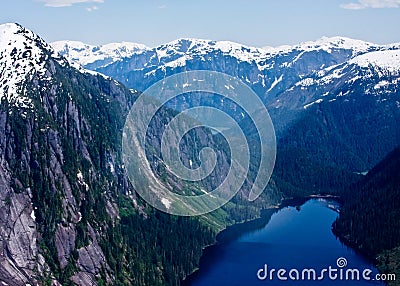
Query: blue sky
252, 22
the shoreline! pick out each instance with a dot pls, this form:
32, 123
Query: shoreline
362, 252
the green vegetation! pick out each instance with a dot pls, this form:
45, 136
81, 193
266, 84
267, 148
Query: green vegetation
155, 249
298, 173
369, 220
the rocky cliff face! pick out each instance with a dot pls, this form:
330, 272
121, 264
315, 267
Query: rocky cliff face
56, 151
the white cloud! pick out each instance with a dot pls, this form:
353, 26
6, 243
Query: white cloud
94, 8
363, 4
67, 3
352, 6
162, 6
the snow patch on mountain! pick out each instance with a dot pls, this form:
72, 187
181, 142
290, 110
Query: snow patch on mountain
324, 77
180, 62
306, 82
276, 81
312, 103
387, 60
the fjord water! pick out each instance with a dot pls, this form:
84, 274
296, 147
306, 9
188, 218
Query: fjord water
294, 238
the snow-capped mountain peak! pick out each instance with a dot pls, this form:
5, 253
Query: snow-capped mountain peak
190, 46
268, 70
177, 52
326, 44
85, 54
22, 55
329, 43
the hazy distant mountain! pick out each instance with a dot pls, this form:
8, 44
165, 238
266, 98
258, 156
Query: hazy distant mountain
88, 55
259, 67
355, 82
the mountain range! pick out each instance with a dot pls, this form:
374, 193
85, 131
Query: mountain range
346, 89
68, 213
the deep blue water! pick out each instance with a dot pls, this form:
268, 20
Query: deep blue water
294, 238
